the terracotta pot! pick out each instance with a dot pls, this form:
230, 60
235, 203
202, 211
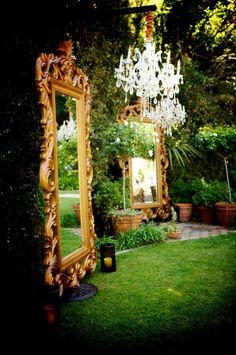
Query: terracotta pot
76, 209
126, 222
174, 235
225, 212
206, 214
184, 211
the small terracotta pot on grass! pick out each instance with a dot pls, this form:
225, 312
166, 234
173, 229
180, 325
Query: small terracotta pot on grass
174, 235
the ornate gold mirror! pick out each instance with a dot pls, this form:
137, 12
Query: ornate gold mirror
148, 185
64, 99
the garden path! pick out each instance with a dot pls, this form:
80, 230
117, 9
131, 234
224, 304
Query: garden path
194, 230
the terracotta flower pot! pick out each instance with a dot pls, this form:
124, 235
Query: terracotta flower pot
184, 211
174, 235
76, 209
206, 214
225, 212
125, 222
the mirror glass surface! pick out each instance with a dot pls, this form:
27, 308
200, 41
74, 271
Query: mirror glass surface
144, 180
144, 170
68, 174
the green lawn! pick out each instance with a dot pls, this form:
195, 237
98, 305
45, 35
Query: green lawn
66, 203
70, 240
162, 298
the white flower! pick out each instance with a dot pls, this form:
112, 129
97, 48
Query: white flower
117, 140
150, 152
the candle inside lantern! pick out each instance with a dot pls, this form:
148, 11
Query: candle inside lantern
108, 262
50, 313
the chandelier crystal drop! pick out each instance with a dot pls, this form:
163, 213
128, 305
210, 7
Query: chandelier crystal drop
154, 81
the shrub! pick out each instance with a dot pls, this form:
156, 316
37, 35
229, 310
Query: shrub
106, 197
147, 234
208, 193
220, 140
181, 191
69, 220
68, 165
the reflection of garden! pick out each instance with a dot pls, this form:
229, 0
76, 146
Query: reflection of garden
67, 154
68, 181
144, 180
70, 226
71, 240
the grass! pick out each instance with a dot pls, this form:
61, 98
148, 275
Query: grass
70, 240
66, 203
70, 237
168, 297
67, 215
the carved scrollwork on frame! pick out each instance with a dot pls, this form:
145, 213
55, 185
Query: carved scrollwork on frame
58, 73
158, 206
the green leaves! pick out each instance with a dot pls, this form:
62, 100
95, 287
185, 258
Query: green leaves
221, 139
146, 234
181, 152
129, 140
208, 193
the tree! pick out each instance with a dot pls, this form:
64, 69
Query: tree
128, 140
222, 141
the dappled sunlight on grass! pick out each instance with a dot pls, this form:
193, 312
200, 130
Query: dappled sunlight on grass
176, 293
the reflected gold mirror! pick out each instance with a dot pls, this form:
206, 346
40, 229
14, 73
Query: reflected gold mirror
65, 168
148, 185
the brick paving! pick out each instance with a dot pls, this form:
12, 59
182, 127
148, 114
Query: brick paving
194, 230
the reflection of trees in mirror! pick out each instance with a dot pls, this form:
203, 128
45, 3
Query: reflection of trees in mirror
66, 108
67, 155
67, 143
128, 140
144, 172
68, 164
62, 112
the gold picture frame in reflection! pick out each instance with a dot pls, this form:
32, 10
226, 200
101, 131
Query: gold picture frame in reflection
57, 74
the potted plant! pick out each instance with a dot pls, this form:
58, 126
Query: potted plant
76, 209
124, 219
126, 140
221, 140
181, 193
205, 197
171, 227
107, 196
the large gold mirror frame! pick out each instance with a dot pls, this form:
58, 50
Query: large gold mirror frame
59, 75
157, 203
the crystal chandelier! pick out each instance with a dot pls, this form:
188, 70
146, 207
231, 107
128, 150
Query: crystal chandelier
155, 82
